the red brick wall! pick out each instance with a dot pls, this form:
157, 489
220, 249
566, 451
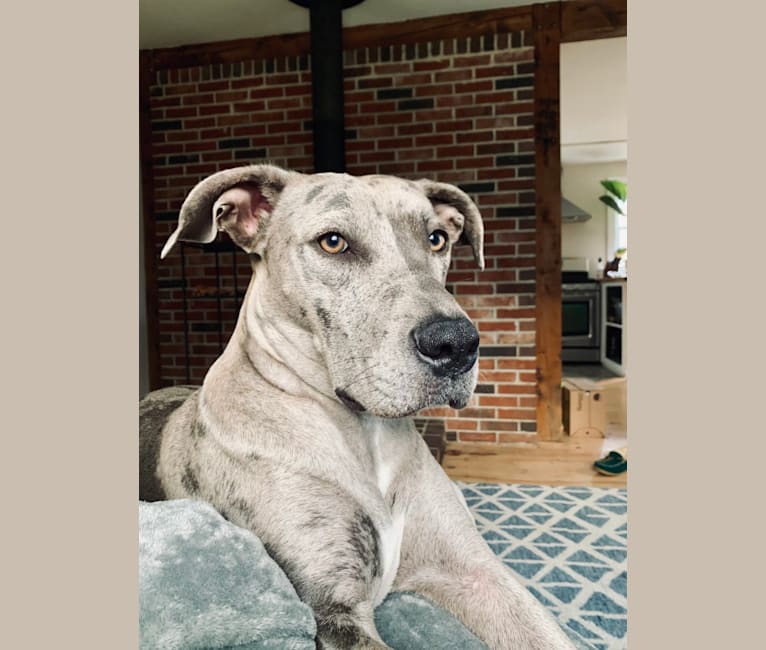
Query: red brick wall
458, 111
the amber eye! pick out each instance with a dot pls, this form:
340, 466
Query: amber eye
438, 240
333, 243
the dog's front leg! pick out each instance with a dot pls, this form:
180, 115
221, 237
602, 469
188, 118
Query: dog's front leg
328, 546
332, 569
445, 559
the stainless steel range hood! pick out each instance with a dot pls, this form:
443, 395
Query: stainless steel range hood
570, 213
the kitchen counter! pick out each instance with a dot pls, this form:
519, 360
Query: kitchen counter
594, 371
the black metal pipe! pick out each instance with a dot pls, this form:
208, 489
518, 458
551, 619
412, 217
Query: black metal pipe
327, 85
326, 24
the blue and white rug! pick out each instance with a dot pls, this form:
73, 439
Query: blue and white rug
568, 545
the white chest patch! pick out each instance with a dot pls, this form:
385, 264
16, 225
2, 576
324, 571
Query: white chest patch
390, 550
391, 534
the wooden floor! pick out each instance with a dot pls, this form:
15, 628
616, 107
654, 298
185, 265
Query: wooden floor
544, 463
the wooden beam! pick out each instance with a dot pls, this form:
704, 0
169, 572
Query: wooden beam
547, 34
421, 30
147, 210
585, 20
243, 49
424, 30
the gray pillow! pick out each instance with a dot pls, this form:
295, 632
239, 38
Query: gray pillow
207, 584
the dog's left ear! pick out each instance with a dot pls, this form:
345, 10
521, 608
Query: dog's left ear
234, 200
452, 203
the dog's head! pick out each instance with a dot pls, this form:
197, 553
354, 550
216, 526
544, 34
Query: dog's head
358, 264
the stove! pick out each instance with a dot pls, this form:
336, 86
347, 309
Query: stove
580, 313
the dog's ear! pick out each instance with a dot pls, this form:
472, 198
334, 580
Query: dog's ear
452, 203
235, 200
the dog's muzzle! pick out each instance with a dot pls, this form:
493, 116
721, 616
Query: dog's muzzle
449, 346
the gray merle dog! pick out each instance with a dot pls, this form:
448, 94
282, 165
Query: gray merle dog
301, 430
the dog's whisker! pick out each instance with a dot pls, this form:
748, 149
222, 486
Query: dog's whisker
362, 373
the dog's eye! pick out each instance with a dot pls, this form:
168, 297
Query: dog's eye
438, 240
333, 243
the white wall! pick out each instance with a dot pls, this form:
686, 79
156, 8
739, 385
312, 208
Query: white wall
581, 184
594, 133
594, 105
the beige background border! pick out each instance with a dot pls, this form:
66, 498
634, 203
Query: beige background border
69, 326
70, 329
695, 384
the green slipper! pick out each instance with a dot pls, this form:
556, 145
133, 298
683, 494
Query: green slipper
615, 462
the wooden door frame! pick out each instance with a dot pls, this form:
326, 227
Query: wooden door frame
552, 24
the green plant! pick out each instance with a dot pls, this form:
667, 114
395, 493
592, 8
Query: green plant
617, 193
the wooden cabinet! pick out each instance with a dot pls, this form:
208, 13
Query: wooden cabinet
614, 295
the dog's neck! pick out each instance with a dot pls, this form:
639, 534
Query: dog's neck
267, 359
270, 353
275, 347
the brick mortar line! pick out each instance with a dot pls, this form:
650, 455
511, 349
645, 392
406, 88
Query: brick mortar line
284, 61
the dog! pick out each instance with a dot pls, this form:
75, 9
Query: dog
301, 431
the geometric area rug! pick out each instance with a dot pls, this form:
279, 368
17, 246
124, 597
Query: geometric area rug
568, 546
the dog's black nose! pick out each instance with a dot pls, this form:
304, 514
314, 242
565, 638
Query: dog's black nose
449, 345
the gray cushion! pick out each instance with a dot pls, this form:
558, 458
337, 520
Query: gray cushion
205, 583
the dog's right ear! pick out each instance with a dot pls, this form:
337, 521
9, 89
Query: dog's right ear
234, 200
456, 205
